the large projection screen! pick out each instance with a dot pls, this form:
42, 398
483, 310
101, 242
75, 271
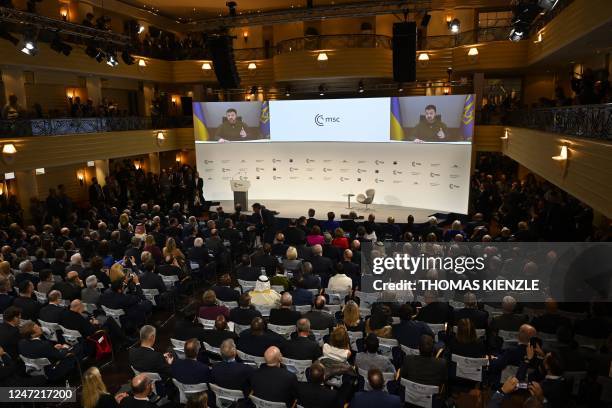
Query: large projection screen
413, 155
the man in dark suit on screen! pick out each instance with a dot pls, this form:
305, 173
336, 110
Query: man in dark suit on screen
430, 127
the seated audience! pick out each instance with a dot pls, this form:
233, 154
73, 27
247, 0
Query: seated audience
224, 291
210, 309
245, 312
371, 358
142, 387
95, 394
145, 359
230, 373
52, 312
189, 370
314, 394
508, 320
425, 368
90, 293
218, 334
285, 315
263, 295
302, 346
26, 301
351, 318
465, 343
256, 340
320, 319
46, 281
377, 397
272, 381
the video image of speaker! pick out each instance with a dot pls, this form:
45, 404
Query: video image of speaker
404, 51
222, 55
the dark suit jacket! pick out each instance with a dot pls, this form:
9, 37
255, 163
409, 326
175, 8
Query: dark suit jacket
68, 290
5, 301
215, 337
40, 349
379, 399
247, 273
150, 361
332, 252
261, 260
436, 312
320, 320
29, 307
509, 322
424, 370
232, 375
130, 402
549, 323
51, 313
257, 345
185, 330
189, 371
511, 356
294, 236
302, 297
284, 316
151, 280
316, 396
26, 276
274, 384
59, 268
321, 265
242, 316
75, 321
409, 332
301, 348
226, 294
198, 255
9, 338
115, 300
479, 318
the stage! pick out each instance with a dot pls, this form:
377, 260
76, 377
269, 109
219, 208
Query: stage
297, 208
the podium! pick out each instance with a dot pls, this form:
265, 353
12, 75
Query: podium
241, 192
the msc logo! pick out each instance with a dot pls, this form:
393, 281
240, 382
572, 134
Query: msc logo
321, 120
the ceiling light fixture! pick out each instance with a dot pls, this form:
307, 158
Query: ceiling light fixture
322, 57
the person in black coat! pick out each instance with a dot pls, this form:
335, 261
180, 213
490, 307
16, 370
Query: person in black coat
435, 312
377, 397
302, 347
230, 373
145, 358
245, 312
256, 340
73, 319
95, 268
408, 331
322, 266
284, 316
189, 370
71, 288
5, 298
29, 306
245, 271
319, 319
132, 302
465, 343
214, 337
53, 311
59, 265
272, 381
314, 394
294, 236
265, 260
151, 280
425, 368
9, 331
142, 387
223, 290
479, 318
61, 356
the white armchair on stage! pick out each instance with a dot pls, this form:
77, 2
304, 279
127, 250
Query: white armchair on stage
241, 192
366, 198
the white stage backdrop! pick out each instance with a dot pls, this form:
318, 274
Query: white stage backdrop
431, 176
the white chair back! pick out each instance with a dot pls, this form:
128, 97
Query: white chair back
508, 372
187, 390
284, 331
588, 342
277, 288
436, 328
260, 403
41, 297
229, 305
35, 366
169, 280
246, 285
366, 384
332, 309
479, 332
386, 345
114, 313
90, 307
419, 394
335, 298
366, 299
207, 323
239, 328
510, 338
150, 295
49, 329
353, 337
178, 346
298, 367
469, 368
303, 308
319, 334
410, 351
225, 397
211, 349
264, 310
71, 336
251, 360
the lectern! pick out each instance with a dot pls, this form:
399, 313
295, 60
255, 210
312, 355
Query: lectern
241, 192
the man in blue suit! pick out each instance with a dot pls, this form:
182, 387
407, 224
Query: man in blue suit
229, 373
377, 397
190, 370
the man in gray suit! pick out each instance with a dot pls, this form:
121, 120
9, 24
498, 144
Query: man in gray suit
90, 293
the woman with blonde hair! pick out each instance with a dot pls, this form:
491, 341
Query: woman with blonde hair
351, 317
172, 250
5, 270
292, 263
116, 272
95, 394
339, 346
124, 223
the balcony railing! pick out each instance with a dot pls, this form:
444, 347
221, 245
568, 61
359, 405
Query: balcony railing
68, 126
326, 42
588, 121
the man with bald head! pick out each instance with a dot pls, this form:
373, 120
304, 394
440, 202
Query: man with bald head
73, 319
321, 265
71, 287
514, 355
351, 269
318, 318
142, 387
272, 381
285, 315
256, 340
52, 312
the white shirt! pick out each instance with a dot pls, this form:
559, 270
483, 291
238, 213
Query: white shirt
340, 283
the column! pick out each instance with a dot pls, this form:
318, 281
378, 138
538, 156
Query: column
94, 89
199, 93
102, 171
154, 166
146, 99
14, 83
27, 187
479, 84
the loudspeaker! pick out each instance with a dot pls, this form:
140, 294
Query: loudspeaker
404, 51
222, 55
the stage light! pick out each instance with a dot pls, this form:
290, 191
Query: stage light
252, 66
60, 46
64, 13
360, 88
160, 137
206, 66
454, 26
142, 63
141, 29
111, 58
245, 36
322, 89
322, 57
127, 58
548, 4
231, 5
423, 57
473, 52
516, 34
29, 46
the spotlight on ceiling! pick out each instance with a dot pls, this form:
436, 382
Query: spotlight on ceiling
231, 5
322, 89
517, 33
29, 45
127, 58
141, 29
60, 46
360, 87
454, 25
111, 58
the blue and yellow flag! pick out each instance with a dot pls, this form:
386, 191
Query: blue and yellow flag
264, 119
467, 120
397, 131
200, 132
